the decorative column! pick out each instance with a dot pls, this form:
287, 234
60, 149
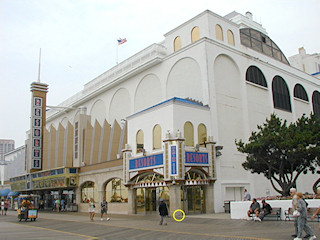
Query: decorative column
175, 197
174, 168
210, 145
132, 200
126, 154
80, 127
209, 189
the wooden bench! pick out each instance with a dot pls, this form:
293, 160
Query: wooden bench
288, 214
310, 213
275, 214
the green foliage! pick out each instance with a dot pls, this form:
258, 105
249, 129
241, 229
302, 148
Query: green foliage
282, 152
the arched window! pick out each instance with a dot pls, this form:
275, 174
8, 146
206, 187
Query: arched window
316, 103
116, 191
189, 134
177, 43
260, 42
255, 75
157, 137
202, 134
280, 92
219, 32
88, 191
195, 34
230, 37
140, 141
300, 92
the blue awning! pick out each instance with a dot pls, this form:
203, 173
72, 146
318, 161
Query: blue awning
13, 194
4, 192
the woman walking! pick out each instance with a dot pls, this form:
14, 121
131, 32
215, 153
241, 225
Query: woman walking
92, 207
6, 206
302, 219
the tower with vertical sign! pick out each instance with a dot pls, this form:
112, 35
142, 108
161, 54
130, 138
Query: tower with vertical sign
38, 123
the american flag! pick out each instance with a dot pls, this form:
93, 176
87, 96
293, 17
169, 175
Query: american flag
121, 41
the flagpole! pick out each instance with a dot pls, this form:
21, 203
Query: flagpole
117, 53
39, 65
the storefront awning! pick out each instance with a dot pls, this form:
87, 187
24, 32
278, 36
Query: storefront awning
13, 194
4, 192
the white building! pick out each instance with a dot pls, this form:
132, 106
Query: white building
172, 106
6, 145
15, 163
309, 63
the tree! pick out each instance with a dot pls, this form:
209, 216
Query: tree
281, 152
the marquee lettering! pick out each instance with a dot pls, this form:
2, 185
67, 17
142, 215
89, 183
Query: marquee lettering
197, 158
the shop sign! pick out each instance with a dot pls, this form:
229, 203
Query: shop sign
197, 158
146, 162
54, 193
66, 192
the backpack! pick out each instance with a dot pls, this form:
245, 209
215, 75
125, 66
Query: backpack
305, 202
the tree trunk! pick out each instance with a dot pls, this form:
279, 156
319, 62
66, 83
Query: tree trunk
316, 185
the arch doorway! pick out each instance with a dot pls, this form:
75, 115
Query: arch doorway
149, 189
193, 192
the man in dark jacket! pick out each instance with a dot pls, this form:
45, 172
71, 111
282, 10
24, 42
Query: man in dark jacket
266, 209
163, 210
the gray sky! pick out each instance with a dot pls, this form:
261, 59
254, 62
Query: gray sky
78, 41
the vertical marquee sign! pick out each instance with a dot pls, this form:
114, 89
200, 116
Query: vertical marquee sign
174, 162
38, 121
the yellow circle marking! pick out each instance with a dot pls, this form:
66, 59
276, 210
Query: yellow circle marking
179, 220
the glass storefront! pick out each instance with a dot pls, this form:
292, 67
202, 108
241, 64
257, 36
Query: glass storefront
193, 199
147, 199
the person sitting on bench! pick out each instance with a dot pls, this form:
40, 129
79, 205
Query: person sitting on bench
266, 209
254, 209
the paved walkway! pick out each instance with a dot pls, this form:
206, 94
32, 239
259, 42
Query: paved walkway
70, 225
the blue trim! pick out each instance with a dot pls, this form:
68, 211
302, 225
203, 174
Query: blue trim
13, 193
313, 74
174, 99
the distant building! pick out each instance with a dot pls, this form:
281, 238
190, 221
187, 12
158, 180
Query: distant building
309, 63
6, 145
15, 163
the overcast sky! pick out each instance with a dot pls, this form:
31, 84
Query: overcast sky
78, 39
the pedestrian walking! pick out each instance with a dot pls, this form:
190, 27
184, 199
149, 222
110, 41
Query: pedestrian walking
58, 205
92, 207
294, 203
6, 206
246, 195
302, 222
63, 205
104, 209
2, 207
163, 210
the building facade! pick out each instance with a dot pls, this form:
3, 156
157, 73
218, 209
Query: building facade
309, 63
6, 145
163, 123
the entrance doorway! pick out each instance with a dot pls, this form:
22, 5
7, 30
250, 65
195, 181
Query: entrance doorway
194, 199
147, 199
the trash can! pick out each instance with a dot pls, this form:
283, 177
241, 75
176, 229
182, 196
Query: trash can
227, 206
74, 207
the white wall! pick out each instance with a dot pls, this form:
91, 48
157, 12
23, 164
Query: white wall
239, 209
